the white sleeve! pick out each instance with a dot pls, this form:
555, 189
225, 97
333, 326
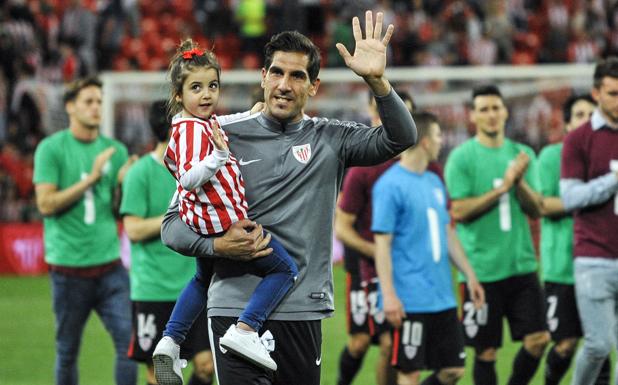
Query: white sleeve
204, 170
576, 194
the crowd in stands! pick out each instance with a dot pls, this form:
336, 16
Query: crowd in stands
56, 41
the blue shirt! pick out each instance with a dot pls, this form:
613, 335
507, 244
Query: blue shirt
412, 208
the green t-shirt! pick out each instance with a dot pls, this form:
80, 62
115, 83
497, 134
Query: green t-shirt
84, 234
556, 233
498, 243
157, 273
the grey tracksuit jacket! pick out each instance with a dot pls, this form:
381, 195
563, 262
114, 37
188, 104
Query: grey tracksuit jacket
292, 174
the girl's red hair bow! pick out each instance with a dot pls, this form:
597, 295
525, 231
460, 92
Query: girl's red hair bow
188, 55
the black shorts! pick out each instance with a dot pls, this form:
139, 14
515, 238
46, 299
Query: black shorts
148, 324
429, 341
362, 313
562, 315
298, 354
520, 299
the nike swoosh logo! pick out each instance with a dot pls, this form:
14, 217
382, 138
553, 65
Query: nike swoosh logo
318, 360
244, 163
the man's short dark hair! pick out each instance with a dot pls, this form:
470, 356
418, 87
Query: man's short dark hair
424, 120
485, 90
76, 86
294, 41
606, 67
568, 105
159, 120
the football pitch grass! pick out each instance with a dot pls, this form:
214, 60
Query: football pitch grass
27, 341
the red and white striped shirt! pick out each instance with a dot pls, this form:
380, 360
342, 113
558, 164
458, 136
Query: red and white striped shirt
212, 207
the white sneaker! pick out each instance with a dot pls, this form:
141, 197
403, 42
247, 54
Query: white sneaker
248, 346
167, 363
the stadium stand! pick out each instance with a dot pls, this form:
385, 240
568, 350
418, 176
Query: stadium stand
44, 43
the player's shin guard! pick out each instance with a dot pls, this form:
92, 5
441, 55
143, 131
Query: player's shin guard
555, 367
348, 367
524, 367
484, 372
603, 377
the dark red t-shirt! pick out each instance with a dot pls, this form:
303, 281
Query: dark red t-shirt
356, 199
587, 155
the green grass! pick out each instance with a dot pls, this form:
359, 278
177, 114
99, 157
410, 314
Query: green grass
27, 341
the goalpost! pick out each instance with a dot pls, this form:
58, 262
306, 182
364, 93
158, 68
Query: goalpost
533, 94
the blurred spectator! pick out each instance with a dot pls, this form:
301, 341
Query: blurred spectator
482, 51
132, 34
251, 18
557, 41
347, 9
18, 168
213, 16
312, 21
25, 116
111, 30
19, 49
78, 26
499, 29
583, 48
132, 128
283, 15
20, 29
4, 105
44, 43
16, 187
612, 17
338, 31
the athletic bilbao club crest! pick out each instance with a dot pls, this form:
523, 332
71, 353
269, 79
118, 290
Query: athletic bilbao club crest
471, 330
145, 343
410, 351
302, 153
359, 318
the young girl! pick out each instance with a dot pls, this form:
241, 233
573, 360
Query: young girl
211, 197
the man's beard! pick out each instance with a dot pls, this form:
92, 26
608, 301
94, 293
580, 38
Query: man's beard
491, 134
91, 126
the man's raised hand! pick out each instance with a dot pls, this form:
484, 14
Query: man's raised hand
369, 59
